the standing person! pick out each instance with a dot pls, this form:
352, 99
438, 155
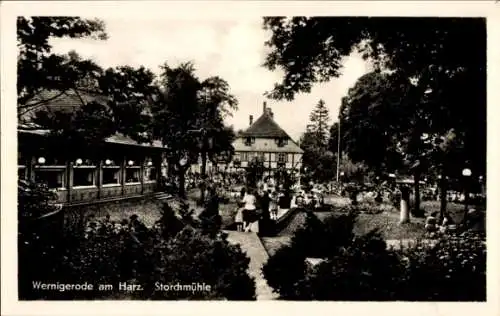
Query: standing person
265, 202
238, 219
273, 205
249, 211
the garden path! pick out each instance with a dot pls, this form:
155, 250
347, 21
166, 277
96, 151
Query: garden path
250, 244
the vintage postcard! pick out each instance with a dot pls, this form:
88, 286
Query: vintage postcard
266, 153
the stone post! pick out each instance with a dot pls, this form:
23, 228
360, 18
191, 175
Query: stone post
404, 215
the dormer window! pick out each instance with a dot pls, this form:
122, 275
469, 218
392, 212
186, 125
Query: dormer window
249, 141
281, 142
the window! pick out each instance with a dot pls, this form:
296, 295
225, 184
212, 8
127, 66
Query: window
110, 175
249, 141
244, 156
149, 173
282, 158
132, 174
84, 176
261, 156
281, 142
52, 177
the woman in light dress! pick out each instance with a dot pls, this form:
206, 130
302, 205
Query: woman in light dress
249, 209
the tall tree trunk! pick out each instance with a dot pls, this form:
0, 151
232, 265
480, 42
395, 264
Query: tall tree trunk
203, 176
416, 179
182, 180
443, 188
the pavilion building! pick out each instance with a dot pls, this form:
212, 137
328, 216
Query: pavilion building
124, 168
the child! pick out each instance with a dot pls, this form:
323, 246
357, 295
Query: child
238, 219
273, 205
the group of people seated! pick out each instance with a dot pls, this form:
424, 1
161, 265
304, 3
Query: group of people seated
432, 224
307, 199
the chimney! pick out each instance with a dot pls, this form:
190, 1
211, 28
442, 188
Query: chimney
269, 112
250, 118
264, 106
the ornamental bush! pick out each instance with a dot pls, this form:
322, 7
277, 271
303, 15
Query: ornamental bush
286, 269
170, 252
363, 268
40, 227
193, 257
453, 270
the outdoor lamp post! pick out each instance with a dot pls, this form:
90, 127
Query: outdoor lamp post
466, 172
481, 183
41, 160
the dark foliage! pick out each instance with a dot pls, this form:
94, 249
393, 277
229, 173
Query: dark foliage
172, 252
287, 268
363, 268
363, 271
453, 270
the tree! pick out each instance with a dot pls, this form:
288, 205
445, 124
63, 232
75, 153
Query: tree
316, 158
108, 101
188, 113
117, 101
429, 51
83, 131
130, 92
217, 102
319, 119
38, 69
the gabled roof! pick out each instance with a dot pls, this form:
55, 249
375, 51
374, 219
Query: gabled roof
265, 126
55, 100
118, 138
69, 101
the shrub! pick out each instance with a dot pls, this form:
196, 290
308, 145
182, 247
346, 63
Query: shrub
286, 269
193, 257
365, 270
170, 252
34, 200
39, 238
453, 270
362, 268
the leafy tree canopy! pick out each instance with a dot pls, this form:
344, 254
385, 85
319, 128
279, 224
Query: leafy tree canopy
38, 68
310, 49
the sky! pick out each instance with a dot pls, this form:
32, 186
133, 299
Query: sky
232, 49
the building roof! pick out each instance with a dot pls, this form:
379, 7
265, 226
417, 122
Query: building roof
69, 101
265, 126
55, 100
115, 139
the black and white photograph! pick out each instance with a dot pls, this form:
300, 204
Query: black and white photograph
257, 157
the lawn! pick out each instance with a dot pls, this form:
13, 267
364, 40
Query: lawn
226, 210
148, 210
386, 222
